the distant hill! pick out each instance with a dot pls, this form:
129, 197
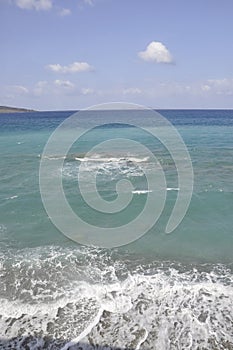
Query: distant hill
5, 109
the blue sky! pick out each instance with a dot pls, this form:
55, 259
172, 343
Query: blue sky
70, 54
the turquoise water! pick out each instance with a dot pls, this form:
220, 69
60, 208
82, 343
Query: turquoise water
163, 291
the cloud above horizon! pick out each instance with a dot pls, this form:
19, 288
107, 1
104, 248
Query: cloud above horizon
38, 5
219, 86
88, 2
132, 91
45, 5
17, 89
64, 12
63, 83
156, 52
75, 67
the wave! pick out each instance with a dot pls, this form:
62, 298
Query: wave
98, 158
61, 297
11, 197
149, 191
141, 191
173, 189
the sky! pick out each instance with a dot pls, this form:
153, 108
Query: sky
72, 54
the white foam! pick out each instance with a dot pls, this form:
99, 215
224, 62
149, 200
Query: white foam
54, 157
111, 167
141, 191
12, 197
148, 191
112, 159
142, 340
153, 308
85, 332
163, 299
80, 159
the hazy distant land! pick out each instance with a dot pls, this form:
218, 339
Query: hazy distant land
6, 109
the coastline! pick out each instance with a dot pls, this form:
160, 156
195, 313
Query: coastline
6, 109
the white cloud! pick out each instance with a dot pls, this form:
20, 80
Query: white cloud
205, 87
88, 2
63, 83
87, 91
218, 86
156, 52
12, 93
37, 5
220, 82
64, 12
40, 87
44, 87
210, 88
18, 89
132, 91
75, 67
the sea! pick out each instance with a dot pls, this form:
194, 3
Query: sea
156, 291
